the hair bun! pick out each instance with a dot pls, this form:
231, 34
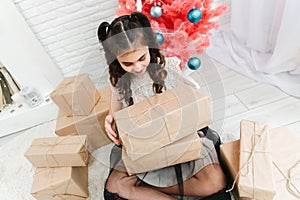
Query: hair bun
103, 29
142, 18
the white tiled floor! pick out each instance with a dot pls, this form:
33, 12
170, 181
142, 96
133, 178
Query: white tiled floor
244, 98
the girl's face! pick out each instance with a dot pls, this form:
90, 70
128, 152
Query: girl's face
136, 61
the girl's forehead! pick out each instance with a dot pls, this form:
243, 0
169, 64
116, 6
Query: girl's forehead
134, 54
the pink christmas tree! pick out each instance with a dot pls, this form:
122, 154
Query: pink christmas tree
183, 27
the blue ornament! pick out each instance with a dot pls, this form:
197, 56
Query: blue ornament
160, 38
156, 11
194, 63
194, 15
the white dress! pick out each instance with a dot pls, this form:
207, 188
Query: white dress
141, 87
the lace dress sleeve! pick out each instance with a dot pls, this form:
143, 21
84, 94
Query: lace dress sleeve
174, 72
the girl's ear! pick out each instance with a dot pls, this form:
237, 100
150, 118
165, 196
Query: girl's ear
102, 32
140, 17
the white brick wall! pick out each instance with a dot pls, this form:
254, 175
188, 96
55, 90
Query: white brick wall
68, 31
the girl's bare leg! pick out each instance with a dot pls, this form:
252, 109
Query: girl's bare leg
125, 186
207, 181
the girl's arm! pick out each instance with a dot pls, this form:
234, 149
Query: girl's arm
110, 127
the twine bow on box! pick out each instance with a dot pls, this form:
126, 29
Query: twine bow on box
180, 111
290, 177
254, 153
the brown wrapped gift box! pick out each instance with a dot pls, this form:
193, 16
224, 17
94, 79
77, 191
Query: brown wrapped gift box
255, 155
51, 183
285, 155
162, 119
76, 95
58, 197
91, 125
230, 155
58, 151
183, 150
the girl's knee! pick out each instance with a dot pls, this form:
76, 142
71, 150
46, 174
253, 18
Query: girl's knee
216, 178
120, 183
113, 183
212, 179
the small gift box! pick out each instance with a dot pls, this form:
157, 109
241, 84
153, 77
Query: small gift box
91, 125
58, 151
60, 183
255, 155
184, 150
162, 119
76, 95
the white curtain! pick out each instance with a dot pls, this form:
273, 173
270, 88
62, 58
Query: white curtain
262, 41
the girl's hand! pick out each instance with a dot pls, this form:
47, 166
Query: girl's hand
109, 128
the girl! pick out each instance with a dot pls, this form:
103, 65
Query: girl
137, 71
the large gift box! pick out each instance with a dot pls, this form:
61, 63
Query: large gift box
58, 151
161, 120
76, 95
285, 162
255, 155
183, 150
91, 125
60, 183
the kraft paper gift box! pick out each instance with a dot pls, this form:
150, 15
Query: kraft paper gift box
91, 125
58, 151
230, 156
162, 119
60, 183
285, 162
255, 155
184, 150
76, 95
58, 197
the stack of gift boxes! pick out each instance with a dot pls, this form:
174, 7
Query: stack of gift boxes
61, 162
264, 164
61, 167
82, 109
162, 131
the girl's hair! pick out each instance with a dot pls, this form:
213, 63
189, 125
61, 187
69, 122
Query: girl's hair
123, 35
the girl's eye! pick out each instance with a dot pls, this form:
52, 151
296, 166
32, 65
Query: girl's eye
142, 58
127, 64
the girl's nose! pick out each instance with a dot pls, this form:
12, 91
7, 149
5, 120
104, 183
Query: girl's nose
137, 66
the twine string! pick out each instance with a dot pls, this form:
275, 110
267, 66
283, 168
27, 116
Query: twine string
290, 186
51, 146
246, 165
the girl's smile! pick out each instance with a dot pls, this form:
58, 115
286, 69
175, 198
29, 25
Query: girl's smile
135, 61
